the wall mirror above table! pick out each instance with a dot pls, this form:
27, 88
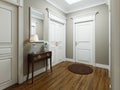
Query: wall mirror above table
36, 26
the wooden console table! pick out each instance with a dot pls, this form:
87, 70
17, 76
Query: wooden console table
33, 58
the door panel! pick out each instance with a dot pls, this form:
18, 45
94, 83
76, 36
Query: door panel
84, 45
5, 51
52, 37
5, 24
83, 55
8, 44
83, 32
57, 41
5, 68
84, 42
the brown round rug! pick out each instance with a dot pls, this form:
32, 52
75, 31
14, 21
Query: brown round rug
80, 69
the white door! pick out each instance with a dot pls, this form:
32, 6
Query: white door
8, 45
57, 41
84, 42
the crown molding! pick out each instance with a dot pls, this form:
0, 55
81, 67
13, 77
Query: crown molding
82, 8
75, 10
55, 5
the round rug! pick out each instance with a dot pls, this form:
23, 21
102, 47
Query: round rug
80, 69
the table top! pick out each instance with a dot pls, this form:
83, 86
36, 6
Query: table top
43, 52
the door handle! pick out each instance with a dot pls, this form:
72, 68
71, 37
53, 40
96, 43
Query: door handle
56, 43
76, 43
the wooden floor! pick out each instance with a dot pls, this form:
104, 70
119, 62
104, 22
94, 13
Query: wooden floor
62, 79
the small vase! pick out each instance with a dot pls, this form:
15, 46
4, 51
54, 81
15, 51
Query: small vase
45, 47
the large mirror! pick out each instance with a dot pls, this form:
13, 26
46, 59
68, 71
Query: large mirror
36, 25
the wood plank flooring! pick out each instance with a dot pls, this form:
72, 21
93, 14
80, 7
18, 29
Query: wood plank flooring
62, 79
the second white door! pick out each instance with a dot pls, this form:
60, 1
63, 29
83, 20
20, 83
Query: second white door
57, 41
84, 42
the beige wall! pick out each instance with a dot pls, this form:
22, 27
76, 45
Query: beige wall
101, 33
41, 6
101, 29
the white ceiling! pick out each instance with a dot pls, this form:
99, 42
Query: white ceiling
67, 8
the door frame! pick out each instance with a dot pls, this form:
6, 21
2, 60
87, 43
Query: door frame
20, 41
84, 19
20, 44
19, 6
60, 19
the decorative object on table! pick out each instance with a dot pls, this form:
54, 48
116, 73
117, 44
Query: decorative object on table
80, 69
33, 40
46, 46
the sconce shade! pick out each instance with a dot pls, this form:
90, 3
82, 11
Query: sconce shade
34, 38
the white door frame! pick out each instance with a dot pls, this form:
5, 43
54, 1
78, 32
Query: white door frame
20, 21
83, 19
20, 45
19, 40
110, 36
59, 19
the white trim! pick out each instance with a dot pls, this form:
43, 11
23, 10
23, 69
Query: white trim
20, 45
6, 84
12, 2
54, 63
82, 19
69, 59
17, 2
21, 3
102, 66
75, 10
110, 38
35, 73
74, 34
85, 18
85, 15
96, 65
58, 18
108, 2
36, 14
65, 39
83, 8
93, 41
55, 5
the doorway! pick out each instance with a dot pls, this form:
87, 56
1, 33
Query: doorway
57, 41
8, 45
84, 40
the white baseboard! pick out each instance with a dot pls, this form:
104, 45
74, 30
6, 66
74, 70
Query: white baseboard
102, 66
35, 73
66, 59
69, 59
54, 63
41, 70
97, 64
7, 84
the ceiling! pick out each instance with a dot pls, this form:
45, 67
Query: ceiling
68, 8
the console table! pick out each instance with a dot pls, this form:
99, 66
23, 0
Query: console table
34, 58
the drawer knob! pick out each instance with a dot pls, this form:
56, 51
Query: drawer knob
39, 57
48, 54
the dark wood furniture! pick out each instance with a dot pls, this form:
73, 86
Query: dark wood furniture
34, 58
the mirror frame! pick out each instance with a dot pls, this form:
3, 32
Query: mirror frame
36, 14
